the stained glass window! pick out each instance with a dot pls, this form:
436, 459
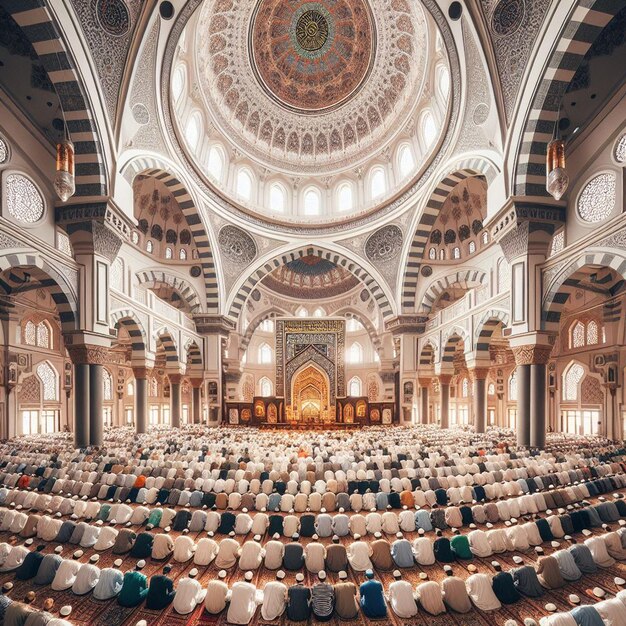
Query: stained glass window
48, 378
4, 152
578, 335
597, 199
30, 334
23, 199
513, 386
620, 149
43, 335
592, 333
107, 382
573, 375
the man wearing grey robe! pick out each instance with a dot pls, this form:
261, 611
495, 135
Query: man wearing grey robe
324, 525
402, 553
109, 584
48, 569
78, 533
526, 581
567, 565
583, 558
341, 525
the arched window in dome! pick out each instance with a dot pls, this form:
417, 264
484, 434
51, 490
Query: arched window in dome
168, 253
265, 354
277, 198
355, 353
215, 163
443, 81
302, 312
432, 254
378, 184
244, 184
192, 131
319, 312
456, 253
178, 82
267, 326
312, 202
149, 246
485, 238
43, 335
49, 381
107, 384
355, 387
406, 161
429, 129
265, 387
182, 255
442, 255
472, 247
353, 325
345, 198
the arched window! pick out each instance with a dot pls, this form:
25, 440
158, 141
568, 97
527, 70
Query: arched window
429, 129
465, 388
134, 237
355, 387
577, 339
265, 354
182, 255
472, 247
406, 160
353, 325
107, 383
267, 326
49, 381
513, 386
355, 354
149, 246
378, 184
215, 163
168, 253
43, 335
244, 185
491, 390
312, 202
277, 198
302, 312
154, 388
30, 334
442, 255
130, 389
432, 254
265, 386
456, 253
192, 131
485, 238
178, 82
345, 197
571, 380
319, 312
444, 81
593, 336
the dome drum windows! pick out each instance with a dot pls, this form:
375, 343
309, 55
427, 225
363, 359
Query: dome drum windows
312, 202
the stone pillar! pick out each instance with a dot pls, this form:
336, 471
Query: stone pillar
141, 399
523, 405
175, 411
96, 397
196, 400
444, 390
479, 381
424, 387
81, 405
538, 405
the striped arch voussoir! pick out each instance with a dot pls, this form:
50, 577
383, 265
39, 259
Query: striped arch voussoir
487, 326
465, 278
127, 319
450, 343
164, 337
159, 277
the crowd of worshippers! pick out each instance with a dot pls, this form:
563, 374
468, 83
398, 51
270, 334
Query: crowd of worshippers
323, 599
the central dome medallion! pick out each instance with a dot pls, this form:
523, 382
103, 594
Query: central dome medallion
312, 56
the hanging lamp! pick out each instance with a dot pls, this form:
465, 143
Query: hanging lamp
557, 179
64, 180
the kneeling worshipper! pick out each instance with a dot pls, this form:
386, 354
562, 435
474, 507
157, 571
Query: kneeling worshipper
134, 588
227, 554
189, 593
314, 556
87, 578
587, 616
336, 556
479, 544
558, 619
567, 565
48, 569
430, 597
549, 573
423, 549
503, 586
30, 565
401, 598
184, 547
461, 547
583, 558
109, 584
614, 546
243, 602
359, 553
217, 594
346, 604
598, 550
480, 591
275, 595
381, 555
251, 555
274, 553
66, 574
206, 551
161, 591
162, 547
442, 549
454, 592
612, 611
293, 559
15, 559
402, 553
372, 599
322, 598
299, 601
527, 582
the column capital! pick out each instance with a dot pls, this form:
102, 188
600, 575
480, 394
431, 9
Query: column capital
141, 372
445, 379
406, 325
478, 373
83, 354
532, 354
214, 324
424, 381
196, 382
174, 378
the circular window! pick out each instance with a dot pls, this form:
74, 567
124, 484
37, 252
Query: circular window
166, 9
24, 201
597, 199
4, 152
620, 150
455, 10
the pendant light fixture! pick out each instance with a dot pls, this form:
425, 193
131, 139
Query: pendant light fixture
557, 179
64, 180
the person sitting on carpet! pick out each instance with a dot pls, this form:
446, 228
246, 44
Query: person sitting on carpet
372, 597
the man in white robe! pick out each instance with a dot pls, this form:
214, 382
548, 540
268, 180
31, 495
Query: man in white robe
481, 593
243, 603
401, 598
359, 553
274, 600
189, 593
86, 579
250, 555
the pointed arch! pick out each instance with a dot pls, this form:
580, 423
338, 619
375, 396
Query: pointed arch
194, 358
136, 331
466, 278
428, 354
165, 338
351, 313
455, 335
465, 168
376, 287
152, 278
257, 321
485, 328
159, 169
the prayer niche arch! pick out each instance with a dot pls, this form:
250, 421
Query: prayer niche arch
310, 396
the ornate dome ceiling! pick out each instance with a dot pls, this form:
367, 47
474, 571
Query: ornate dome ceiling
311, 94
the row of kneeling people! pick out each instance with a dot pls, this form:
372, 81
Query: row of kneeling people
596, 550
330, 495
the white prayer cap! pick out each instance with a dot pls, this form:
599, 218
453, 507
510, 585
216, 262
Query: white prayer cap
141, 564
58, 549
399, 535
620, 582
29, 542
573, 598
280, 574
257, 537
423, 575
321, 575
65, 610
598, 592
94, 558
357, 536
555, 544
221, 573
193, 573
396, 573
78, 554
299, 577
118, 562
343, 575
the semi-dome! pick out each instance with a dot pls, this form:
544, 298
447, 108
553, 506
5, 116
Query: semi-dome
333, 108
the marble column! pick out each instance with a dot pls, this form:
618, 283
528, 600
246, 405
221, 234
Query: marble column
538, 405
444, 390
424, 388
479, 378
96, 397
523, 405
175, 409
81, 405
196, 400
141, 400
